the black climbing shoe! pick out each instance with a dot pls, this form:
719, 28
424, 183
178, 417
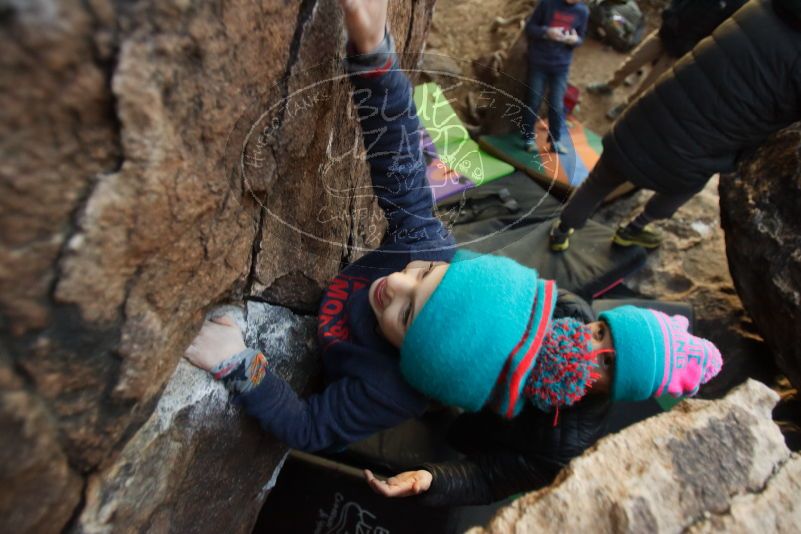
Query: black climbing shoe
646, 238
559, 241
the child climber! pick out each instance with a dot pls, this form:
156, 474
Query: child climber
554, 29
646, 353
370, 315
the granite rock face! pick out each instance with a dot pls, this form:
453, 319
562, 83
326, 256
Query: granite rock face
704, 466
759, 208
159, 158
196, 461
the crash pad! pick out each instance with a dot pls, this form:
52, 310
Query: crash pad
590, 267
560, 174
513, 216
314, 494
512, 200
453, 159
442, 179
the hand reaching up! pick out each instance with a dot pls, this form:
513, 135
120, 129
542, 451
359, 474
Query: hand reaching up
365, 21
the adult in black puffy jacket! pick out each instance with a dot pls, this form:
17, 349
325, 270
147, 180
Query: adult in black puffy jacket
684, 23
725, 96
504, 457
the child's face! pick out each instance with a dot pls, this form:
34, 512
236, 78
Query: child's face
398, 298
602, 341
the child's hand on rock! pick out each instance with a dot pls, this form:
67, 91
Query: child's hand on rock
402, 485
365, 21
218, 340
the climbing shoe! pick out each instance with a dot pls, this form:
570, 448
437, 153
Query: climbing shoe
560, 241
599, 88
645, 237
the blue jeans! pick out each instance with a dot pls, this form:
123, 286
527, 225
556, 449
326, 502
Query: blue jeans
556, 81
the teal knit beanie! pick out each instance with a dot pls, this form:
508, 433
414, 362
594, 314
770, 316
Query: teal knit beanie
655, 355
483, 325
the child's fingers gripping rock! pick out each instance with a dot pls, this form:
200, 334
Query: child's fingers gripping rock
218, 340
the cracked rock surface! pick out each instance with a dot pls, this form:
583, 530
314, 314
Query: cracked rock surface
159, 158
704, 466
196, 461
760, 215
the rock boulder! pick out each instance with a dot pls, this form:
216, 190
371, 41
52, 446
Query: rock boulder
759, 210
159, 158
704, 466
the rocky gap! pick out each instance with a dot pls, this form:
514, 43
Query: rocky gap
298, 312
305, 13
347, 254
410, 29
108, 67
72, 523
255, 251
705, 515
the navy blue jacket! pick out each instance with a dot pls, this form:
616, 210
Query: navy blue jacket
545, 53
365, 391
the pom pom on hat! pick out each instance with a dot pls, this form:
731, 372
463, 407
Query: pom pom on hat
566, 367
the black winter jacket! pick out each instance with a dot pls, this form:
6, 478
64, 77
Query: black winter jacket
685, 22
524, 454
724, 97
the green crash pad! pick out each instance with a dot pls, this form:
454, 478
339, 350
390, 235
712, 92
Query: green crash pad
452, 140
559, 174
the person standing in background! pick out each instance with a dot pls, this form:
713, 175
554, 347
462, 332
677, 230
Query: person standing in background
554, 29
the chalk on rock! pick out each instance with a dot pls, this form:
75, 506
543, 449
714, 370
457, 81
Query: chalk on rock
286, 339
235, 312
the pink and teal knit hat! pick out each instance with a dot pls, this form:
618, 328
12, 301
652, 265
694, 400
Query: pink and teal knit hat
655, 355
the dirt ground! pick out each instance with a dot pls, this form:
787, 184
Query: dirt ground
465, 30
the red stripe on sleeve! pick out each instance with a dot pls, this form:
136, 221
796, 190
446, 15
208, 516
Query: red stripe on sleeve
379, 71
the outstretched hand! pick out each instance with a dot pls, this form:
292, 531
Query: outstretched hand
218, 340
402, 485
365, 21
